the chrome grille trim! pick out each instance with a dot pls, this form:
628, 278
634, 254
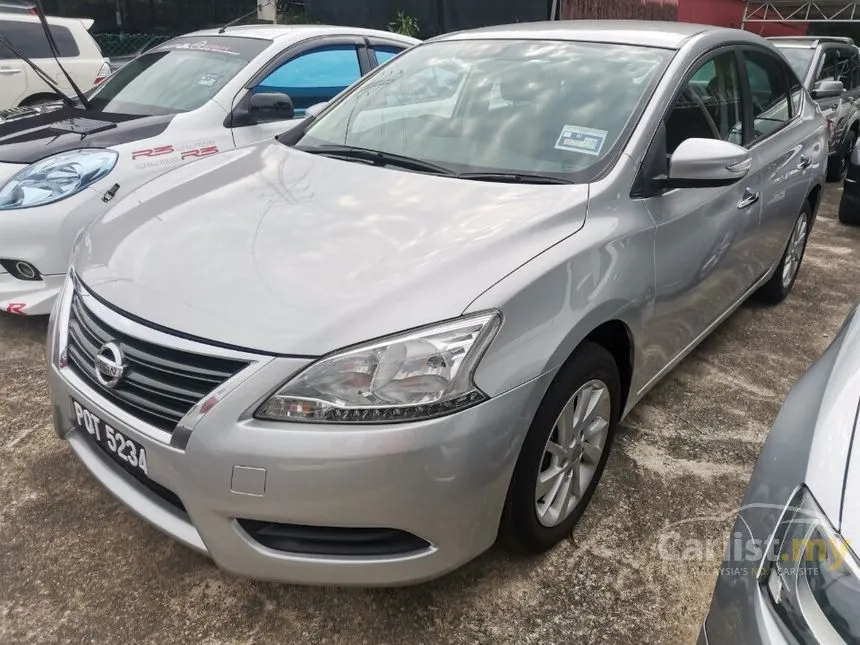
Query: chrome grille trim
169, 376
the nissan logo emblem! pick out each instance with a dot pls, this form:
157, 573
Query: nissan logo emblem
110, 364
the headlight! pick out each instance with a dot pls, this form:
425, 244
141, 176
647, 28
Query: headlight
417, 375
812, 576
56, 177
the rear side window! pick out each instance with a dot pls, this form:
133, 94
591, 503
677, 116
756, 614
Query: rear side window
29, 39
768, 82
830, 67
315, 76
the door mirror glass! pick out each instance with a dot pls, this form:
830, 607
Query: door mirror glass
827, 89
707, 163
270, 106
315, 109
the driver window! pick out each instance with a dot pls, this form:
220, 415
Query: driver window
769, 92
708, 106
315, 76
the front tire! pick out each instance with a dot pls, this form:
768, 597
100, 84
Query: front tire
564, 453
781, 282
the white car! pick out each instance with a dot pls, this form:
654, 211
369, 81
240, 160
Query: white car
185, 99
79, 55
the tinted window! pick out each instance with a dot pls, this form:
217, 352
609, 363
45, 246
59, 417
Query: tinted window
29, 39
829, 69
315, 76
709, 106
769, 86
177, 76
538, 106
799, 58
385, 53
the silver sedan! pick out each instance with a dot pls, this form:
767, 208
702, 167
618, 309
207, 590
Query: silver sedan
360, 353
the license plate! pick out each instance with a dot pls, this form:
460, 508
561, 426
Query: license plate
130, 453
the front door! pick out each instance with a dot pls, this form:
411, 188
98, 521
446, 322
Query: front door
704, 235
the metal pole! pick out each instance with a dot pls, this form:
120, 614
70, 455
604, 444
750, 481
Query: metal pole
554, 11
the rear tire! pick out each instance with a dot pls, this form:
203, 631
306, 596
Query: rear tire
781, 282
837, 167
849, 211
567, 446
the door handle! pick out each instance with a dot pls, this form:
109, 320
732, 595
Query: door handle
805, 162
749, 198
8, 71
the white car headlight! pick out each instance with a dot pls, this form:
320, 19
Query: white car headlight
812, 576
56, 177
416, 375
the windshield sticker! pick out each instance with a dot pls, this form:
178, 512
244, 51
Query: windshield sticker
588, 141
200, 45
208, 80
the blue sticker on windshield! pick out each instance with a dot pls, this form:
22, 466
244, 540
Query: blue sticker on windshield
209, 80
588, 141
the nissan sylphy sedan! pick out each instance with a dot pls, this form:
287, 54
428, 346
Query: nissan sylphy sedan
362, 352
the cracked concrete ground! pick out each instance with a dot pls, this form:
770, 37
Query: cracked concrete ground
75, 566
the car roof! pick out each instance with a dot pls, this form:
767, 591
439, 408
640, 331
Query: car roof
648, 33
52, 20
277, 32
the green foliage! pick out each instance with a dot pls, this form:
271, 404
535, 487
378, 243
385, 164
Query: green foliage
405, 25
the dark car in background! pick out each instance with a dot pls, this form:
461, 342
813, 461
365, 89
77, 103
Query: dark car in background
819, 60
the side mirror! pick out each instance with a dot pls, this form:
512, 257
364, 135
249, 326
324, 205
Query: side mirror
315, 109
271, 106
707, 163
828, 90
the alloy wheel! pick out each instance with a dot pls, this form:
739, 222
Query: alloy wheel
794, 253
572, 453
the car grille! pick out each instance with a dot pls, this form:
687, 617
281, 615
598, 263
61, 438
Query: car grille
160, 384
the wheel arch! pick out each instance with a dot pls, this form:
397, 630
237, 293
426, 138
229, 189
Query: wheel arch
38, 96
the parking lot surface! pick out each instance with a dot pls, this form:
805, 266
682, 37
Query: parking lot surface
76, 566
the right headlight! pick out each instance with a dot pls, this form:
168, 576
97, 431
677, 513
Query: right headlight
416, 375
56, 177
812, 577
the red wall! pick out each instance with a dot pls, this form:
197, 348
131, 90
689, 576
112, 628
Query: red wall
729, 13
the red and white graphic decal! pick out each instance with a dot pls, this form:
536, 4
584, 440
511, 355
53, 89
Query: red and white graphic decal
16, 308
199, 152
152, 152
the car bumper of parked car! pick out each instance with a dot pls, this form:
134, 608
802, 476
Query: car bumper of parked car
35, 248
312, 503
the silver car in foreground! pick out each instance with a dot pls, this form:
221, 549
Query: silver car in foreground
791, 572
360, 353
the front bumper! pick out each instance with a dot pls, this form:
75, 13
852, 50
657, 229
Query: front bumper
442, 480
43, 236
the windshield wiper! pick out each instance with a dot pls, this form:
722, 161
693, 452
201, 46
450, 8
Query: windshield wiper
56, 52
514, 178
379, 158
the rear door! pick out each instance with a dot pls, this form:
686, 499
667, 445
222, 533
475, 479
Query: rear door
784, 146
309, 73
13, 71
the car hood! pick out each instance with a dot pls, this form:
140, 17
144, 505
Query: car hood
275, 250
30, 138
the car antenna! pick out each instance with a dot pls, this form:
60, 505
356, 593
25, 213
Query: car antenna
39, 71
236, 21
55, 51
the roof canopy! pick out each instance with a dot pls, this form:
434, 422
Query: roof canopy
800, 11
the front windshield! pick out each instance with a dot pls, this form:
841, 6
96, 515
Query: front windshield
557, 108
177, 76
799, 58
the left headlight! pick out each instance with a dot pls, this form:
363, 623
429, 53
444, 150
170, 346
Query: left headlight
56, 177
812, 577
417, 375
